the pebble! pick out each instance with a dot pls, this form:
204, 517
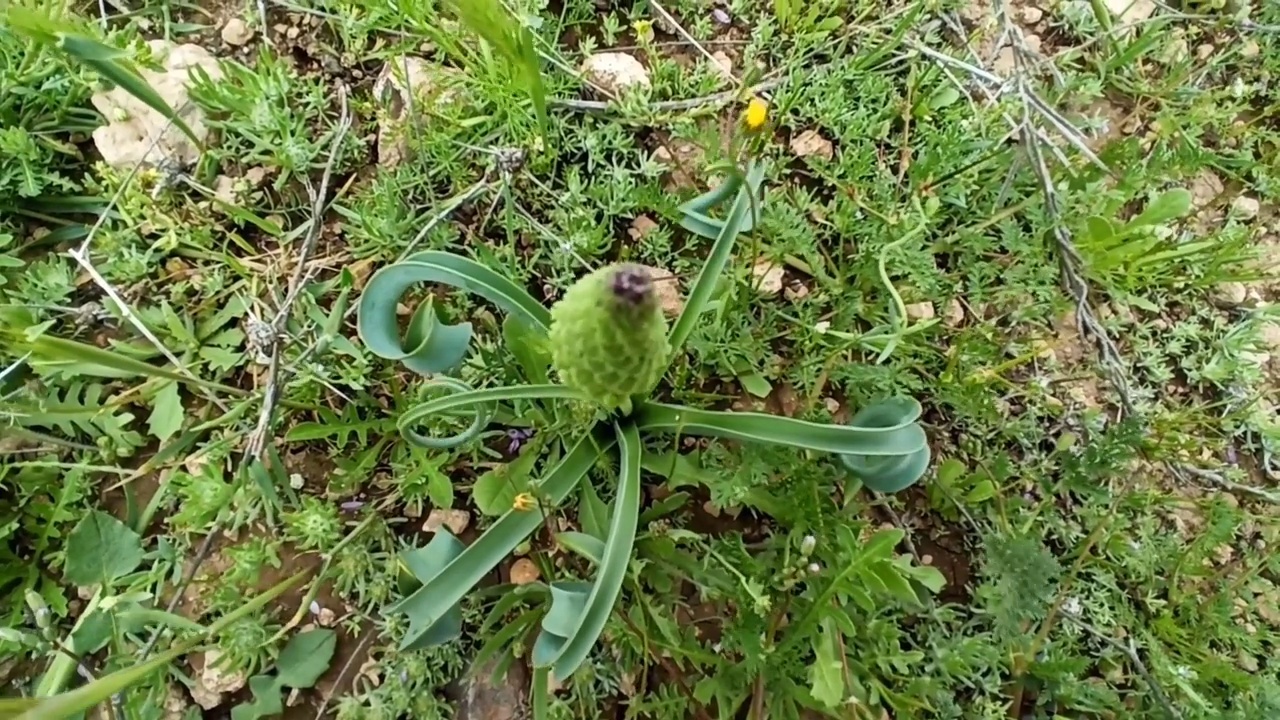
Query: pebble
920, 311
236, 32
1245, 207
1032, 15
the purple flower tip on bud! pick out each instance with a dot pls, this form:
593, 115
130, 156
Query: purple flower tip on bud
721, 17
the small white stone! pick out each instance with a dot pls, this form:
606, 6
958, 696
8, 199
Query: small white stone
811, 142
1245, 207
1250, 49
456, 521
1230, 294
920, 311
723, 63
615, 71
768, 277
1032, 15
524, 571
296, 481
955, 312
236, 32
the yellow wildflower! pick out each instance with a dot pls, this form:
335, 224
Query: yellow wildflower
756, 115
524, 502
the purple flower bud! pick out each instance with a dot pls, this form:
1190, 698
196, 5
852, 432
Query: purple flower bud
351, 505
516, 438
721, 17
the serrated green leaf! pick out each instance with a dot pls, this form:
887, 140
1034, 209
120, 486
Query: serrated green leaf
1167, 206
166, 412
306, 657
101, 549
881, 545
894, 582
826, 674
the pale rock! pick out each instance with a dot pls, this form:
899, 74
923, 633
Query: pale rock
615, 72
1229, 294
1205, 188
768, 277
135, 133
214, 681
293, 32
1032, 15
1130, 11
327, 618
456, 521
1005, 63
1250, 49
224, 189
797, 292
667, 286
405, 86
1245, 207
236, 32
1203, 52
810, 142
524, 571
1270, 334
641, 227
255, 176
832, 405
955, 313
1033, 43
723, 63
175, 703
920, 311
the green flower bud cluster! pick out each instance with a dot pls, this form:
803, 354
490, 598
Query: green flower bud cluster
608, 336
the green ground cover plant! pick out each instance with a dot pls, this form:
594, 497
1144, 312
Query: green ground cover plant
850, 360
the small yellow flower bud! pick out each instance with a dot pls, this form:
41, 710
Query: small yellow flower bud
524, 502
756, 114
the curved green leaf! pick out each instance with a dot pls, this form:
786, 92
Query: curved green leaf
901, 439
893, 473
376, 316
718, 258
429, 346
565, 653
477, 403
425, 563
447, 588
589, 547
694, 213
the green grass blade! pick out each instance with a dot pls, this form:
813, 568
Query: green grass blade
901, 439
615, 560
101, 690
460, 576
53, 350
714, 267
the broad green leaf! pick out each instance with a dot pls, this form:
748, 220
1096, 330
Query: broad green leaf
424, 564
465, 400
166, 412
756, 384
306, 657
718, 259
1168, 206
266, 702
826, 674
949, 471
586, 546
612, 570
593, 514
529, 347
495, 491
101, 549
1100, 229
482, 556
376, 320
758, 427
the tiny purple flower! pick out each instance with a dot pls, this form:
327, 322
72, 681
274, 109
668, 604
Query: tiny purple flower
352, 505
516, 438
721, 17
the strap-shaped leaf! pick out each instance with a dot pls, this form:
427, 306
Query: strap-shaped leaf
478, 404
893, 473
566, 651
695, 213
718, 258
448, 587
903, 438
424, 564
588, 547
430, 346
376, 317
